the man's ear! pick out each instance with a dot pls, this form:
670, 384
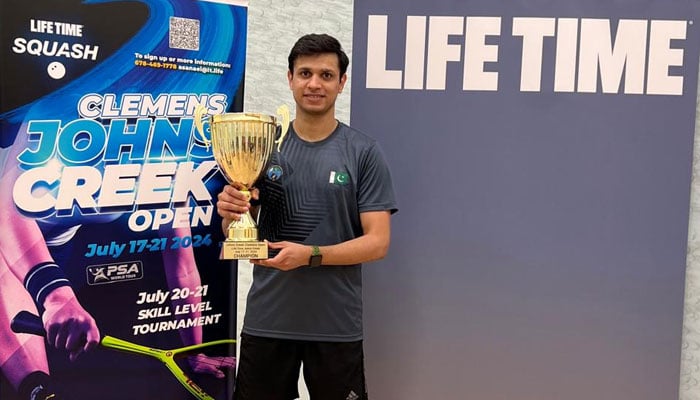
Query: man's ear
343, 79
289, 78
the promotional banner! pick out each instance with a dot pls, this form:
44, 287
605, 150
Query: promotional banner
541, 152
108, 195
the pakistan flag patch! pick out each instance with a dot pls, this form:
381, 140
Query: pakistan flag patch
339, 178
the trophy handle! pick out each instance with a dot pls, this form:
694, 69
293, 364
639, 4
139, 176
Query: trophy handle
199, 112
283, 113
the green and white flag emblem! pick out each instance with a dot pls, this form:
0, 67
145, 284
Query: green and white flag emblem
339, 178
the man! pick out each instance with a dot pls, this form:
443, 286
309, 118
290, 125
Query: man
326, 200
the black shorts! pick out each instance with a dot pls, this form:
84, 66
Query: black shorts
268, 369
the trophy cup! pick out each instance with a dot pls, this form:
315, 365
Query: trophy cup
242, 145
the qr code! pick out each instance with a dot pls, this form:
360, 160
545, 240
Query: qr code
184, 33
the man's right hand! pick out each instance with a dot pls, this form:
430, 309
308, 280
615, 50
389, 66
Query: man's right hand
232, 202
68, 325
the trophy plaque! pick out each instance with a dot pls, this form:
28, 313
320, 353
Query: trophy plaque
242, 144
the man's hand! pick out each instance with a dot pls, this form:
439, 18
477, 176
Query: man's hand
216, 366
232, 202
291, 256
68, 326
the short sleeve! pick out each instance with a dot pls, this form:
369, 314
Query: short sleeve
375, 189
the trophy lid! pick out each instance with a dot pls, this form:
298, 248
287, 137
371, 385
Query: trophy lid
243, 117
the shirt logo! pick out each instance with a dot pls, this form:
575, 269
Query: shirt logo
274, 173
339, 178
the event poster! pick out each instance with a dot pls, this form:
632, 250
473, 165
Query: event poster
108, 196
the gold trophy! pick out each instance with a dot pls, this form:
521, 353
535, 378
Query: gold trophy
242, 144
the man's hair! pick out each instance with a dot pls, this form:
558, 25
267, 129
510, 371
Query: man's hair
313, 44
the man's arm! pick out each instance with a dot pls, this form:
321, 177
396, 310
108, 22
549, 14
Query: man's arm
20, 355
24, 250
373, 244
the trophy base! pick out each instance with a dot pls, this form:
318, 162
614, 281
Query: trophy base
243, 250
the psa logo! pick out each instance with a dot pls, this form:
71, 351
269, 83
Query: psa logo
110, 273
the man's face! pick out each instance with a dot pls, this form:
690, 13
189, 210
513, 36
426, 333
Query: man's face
316, 83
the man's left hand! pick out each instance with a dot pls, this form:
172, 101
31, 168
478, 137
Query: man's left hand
290, 256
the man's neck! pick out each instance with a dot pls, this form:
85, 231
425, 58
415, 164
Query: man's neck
314, 128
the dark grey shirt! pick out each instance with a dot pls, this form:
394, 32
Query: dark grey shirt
313, 193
